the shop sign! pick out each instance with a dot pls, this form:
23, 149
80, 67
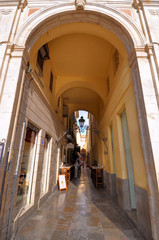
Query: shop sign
62, 182
70, 146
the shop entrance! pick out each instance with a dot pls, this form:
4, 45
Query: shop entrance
27, 167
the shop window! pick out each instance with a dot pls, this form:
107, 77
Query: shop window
46, 165
61, 153
51, 81
27, 166
116, 61
113, 148
58, 104
43, 54
40, 61
108, 85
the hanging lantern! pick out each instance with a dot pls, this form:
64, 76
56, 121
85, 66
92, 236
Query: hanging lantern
81, 122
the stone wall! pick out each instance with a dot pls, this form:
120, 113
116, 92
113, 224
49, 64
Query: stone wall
110, 183
35, 109
143, 212
123, 197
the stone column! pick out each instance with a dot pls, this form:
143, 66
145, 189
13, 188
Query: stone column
148, 118
10, 96
140, 10
9, 100
9, 93
52, 178
38, 167
153, 57
156, 55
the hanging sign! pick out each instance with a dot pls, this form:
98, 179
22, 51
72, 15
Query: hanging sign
62, 182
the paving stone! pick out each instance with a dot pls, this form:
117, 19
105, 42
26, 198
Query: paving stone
78, 234
57, 235
95, 236
80, 213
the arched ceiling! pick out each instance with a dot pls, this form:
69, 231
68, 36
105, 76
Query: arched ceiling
80, 55
82, 98
80, 58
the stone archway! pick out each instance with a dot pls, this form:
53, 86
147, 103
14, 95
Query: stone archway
113, 20
134, 42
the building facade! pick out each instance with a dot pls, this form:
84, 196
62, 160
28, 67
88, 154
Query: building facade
58, 57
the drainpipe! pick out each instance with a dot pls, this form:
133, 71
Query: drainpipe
4, 176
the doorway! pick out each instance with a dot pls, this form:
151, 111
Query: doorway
128, 157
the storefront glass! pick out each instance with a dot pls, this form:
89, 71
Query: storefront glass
46, 166
27, 166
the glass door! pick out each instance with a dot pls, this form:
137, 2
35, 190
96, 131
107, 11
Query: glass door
128, 158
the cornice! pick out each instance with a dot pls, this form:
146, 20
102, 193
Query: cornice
121, 3
138, 52
144, 3
47, 3
5, 11
9, 3
149, 2
153, 3
118, 4
154, 11
106, 1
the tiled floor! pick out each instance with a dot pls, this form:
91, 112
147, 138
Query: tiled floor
80, 213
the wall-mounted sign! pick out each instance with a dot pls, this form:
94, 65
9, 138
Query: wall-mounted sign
62, 182
1, 151
70, 145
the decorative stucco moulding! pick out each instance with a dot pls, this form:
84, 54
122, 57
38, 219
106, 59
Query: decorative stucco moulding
80, 4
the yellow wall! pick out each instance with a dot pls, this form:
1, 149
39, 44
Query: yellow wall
72, 49
72, 71
123, 98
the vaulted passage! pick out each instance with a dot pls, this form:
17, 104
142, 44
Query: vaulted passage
80, 66
77, 89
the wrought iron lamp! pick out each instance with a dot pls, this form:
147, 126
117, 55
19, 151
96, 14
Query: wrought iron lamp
67, 135
95, 130
81, 122
82, 129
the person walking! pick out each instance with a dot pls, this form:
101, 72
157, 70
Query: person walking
79, 164
76, 168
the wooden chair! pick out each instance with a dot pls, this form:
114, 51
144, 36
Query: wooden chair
93, 175
64, 171
99, 178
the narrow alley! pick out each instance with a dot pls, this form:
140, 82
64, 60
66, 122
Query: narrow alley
80, 213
